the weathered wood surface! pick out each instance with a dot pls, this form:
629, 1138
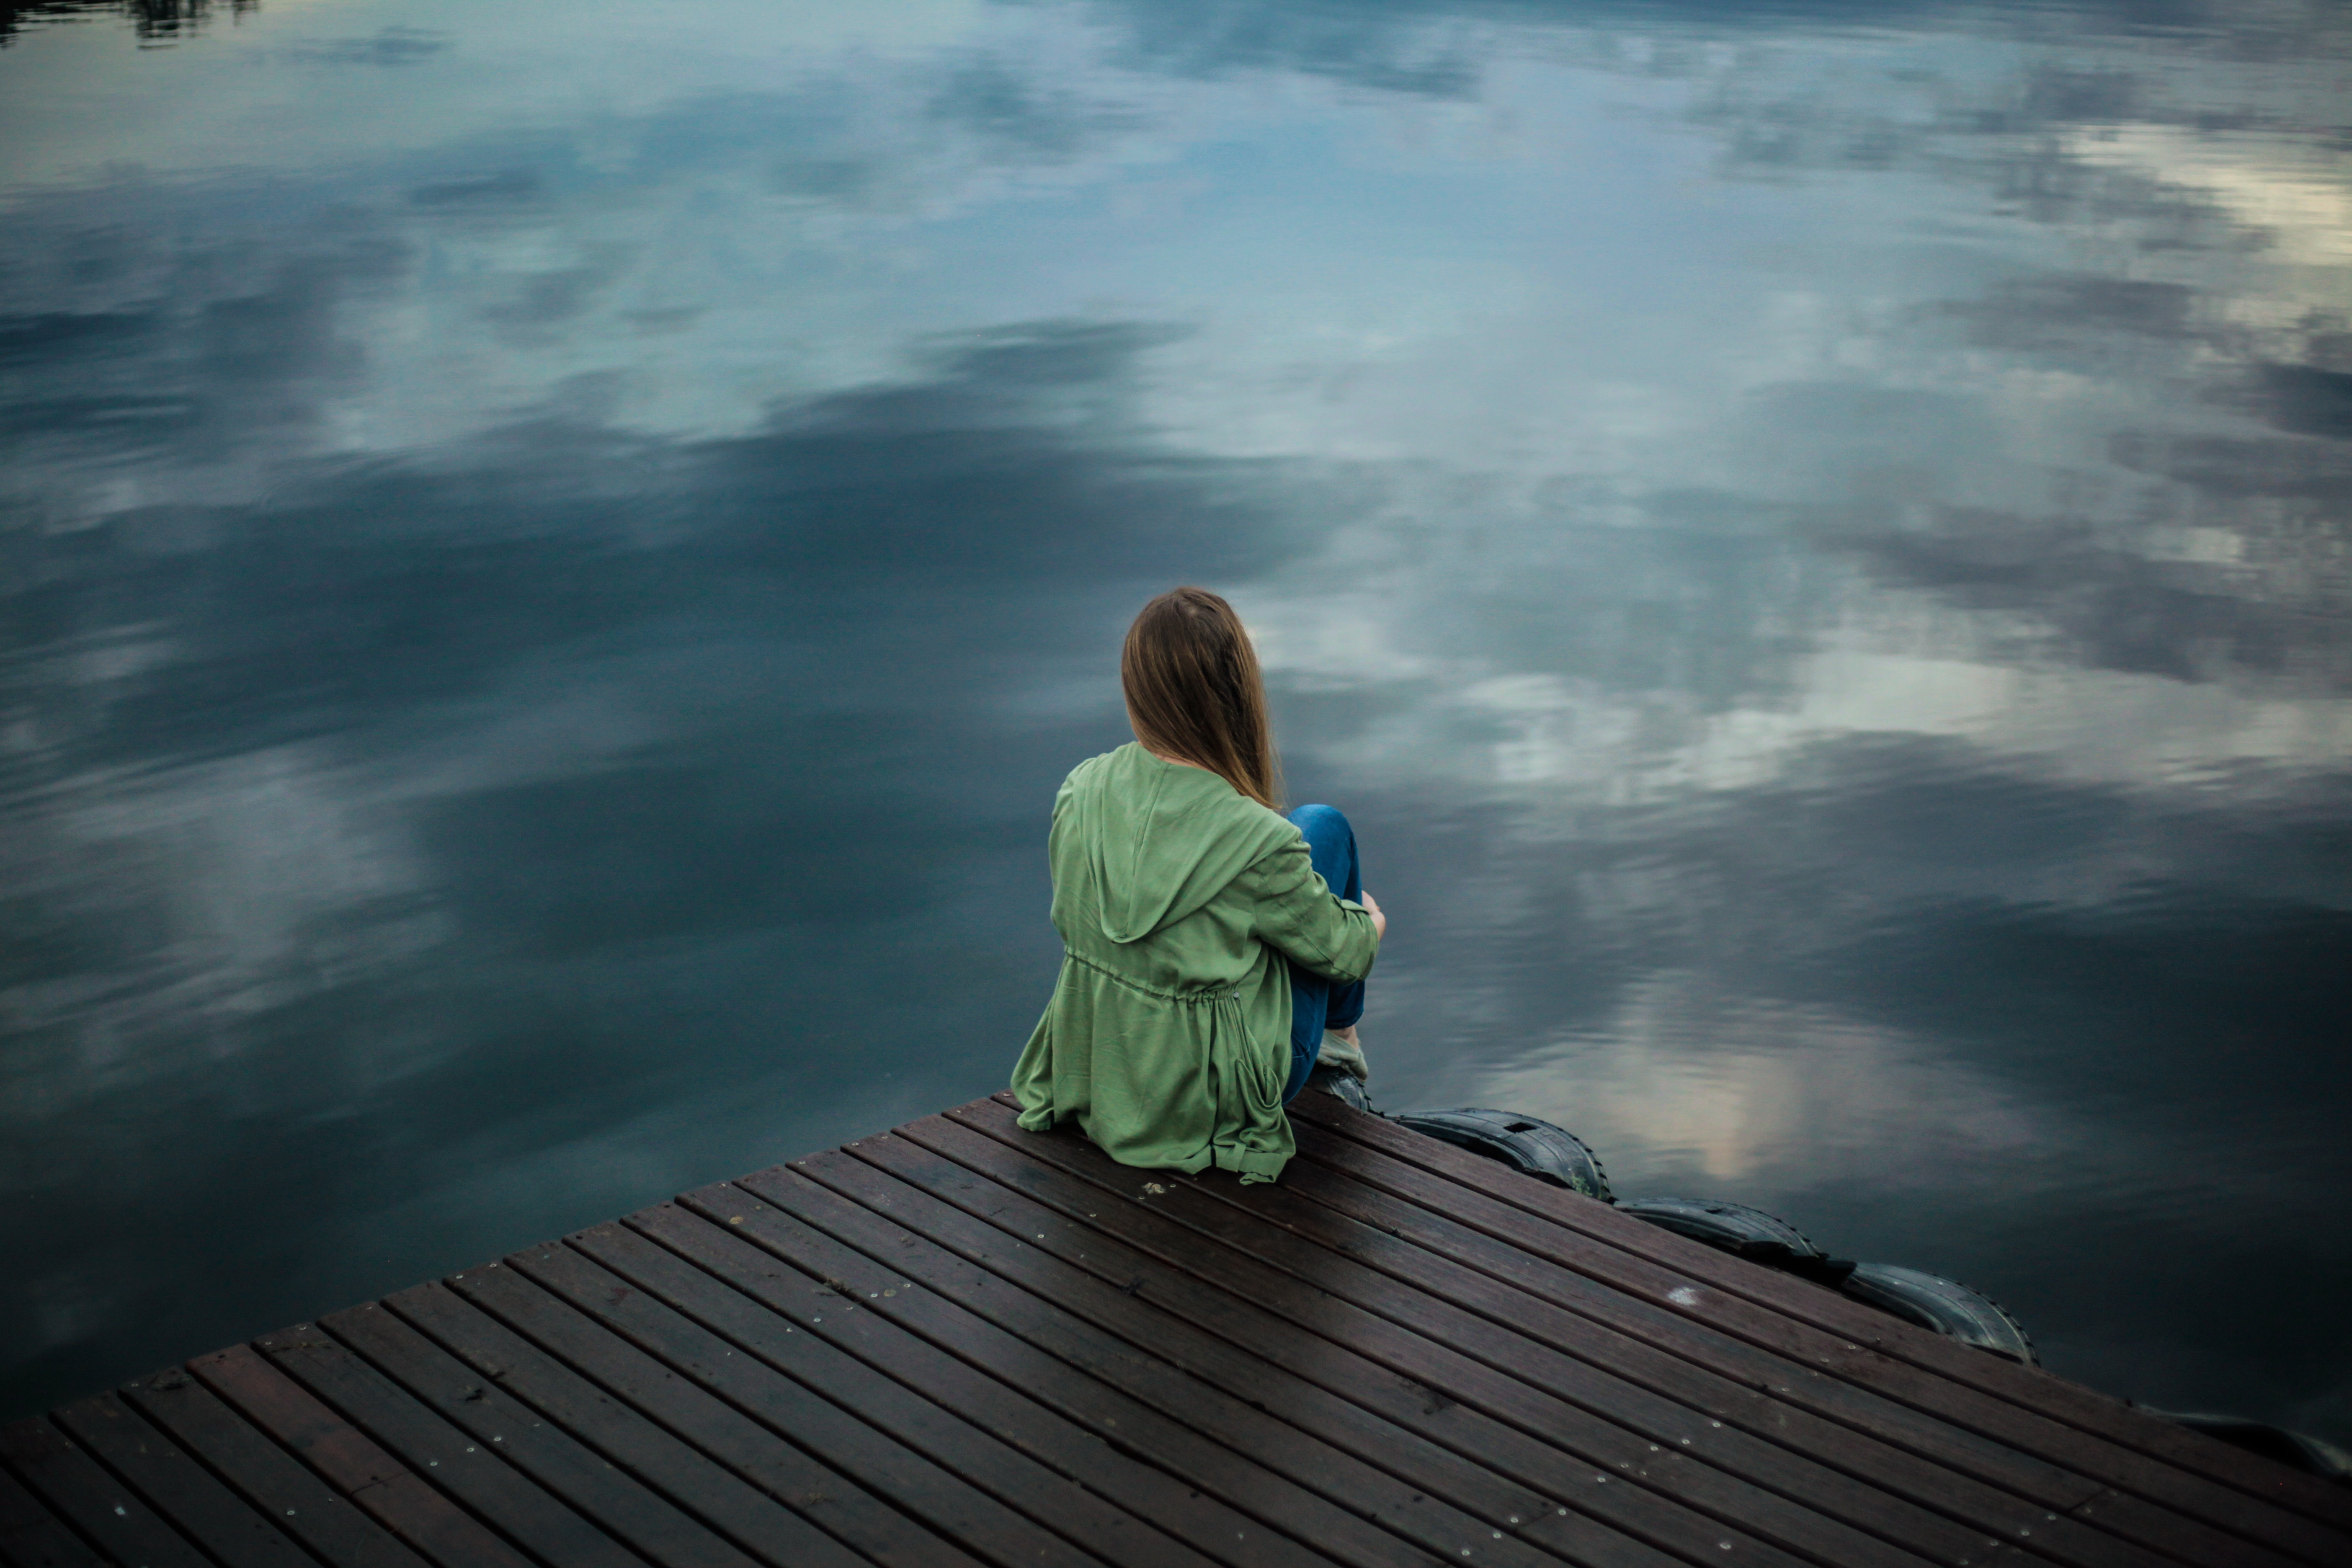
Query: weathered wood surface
960, 1345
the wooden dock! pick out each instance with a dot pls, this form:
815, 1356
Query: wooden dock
959, 1343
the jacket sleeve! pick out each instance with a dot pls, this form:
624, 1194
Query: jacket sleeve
1298, 915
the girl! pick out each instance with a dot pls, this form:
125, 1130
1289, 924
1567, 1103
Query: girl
1207, 962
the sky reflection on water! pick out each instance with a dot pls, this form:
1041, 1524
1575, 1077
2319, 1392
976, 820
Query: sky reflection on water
553, 559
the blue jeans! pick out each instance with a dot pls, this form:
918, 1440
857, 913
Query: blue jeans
1317, 1003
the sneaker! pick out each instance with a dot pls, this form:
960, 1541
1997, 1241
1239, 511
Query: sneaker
1337, 1083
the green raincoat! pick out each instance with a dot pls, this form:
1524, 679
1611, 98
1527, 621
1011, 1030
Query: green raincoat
1179, 898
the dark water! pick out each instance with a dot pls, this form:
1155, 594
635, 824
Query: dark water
551, 557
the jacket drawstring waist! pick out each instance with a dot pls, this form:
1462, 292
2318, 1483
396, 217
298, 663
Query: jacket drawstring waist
1118, 979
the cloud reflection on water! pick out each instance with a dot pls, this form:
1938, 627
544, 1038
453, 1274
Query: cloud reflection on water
1815, 552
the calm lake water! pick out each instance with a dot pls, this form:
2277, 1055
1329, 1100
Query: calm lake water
551, 557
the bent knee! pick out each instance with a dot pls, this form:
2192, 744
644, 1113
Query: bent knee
1313, 819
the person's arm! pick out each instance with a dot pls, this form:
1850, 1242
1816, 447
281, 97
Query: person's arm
1298, 915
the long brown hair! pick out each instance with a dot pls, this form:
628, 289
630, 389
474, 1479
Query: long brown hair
1194, 691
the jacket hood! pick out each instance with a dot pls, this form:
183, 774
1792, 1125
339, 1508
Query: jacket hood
1152, 842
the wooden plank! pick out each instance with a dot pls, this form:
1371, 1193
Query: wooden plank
78, 1488
1525, 1503
930, 1344
1769, 1427
944, 1435
730, 1430
964, 1345
2188, 1459
1603, 1424
1328, 1177
1398, 1373
740, 1511
1260, 1466
390, 1493
1620, 1289
174, 1485
296, 1500
2069, 1426
430, 1446
33, 1537
1739, 1368
1247, 1363
496, 1421
1363, 1412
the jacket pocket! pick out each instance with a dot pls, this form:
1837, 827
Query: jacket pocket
1265, 1073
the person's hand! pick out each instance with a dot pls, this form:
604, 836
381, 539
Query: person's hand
1379, 921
